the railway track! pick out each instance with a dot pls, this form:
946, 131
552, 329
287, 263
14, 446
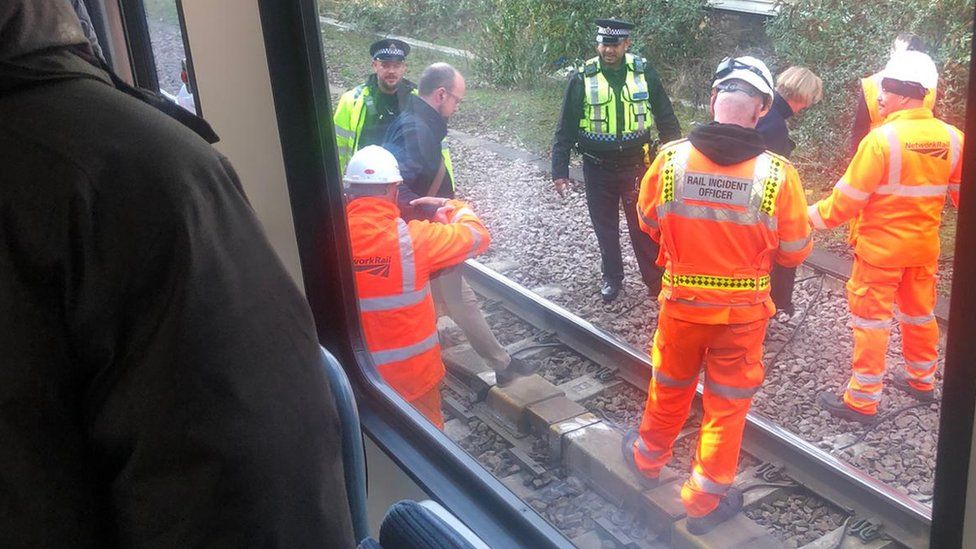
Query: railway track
544, 437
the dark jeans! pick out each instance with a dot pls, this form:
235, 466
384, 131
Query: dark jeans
606, 187
781, 281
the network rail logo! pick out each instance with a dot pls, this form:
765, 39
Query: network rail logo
376, 265
935, 149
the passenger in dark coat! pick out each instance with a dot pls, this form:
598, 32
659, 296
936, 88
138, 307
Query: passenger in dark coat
797, 88
159, 378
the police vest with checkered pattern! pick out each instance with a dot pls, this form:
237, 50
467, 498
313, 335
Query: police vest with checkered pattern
600, 130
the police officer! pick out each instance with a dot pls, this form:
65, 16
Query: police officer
606, 116
365, 112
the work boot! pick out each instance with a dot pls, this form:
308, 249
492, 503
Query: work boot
516, 368
838, 408
627, 447
729, 507
609, 290
900, 382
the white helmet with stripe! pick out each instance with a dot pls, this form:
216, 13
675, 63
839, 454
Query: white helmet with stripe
372, 165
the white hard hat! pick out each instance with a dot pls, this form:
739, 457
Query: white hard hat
748, 69
912, 66
372, 165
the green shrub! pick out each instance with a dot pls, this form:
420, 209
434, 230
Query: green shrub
845, 40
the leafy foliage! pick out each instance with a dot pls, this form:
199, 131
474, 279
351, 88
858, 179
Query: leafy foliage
845, 40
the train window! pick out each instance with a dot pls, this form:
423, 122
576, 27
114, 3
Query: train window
166, 36
545, 335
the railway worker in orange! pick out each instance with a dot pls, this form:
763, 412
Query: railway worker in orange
894, 191
723, 209
393, 261
866, 115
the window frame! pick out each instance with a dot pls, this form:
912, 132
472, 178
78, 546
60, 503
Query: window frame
449, 475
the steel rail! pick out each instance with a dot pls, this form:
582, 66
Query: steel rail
904, 519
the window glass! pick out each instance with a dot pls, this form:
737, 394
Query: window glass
167, 44
541, 136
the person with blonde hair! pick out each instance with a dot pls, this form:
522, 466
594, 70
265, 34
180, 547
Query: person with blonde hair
797, 88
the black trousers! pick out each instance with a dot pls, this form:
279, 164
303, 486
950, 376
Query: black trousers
606, 188
781, 287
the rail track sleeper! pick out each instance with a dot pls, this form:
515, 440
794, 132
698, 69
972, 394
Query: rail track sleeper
556, 435
662, 507
622, 538
512, 402
543, 415
839, 483
585, 387
588, 540
738, 531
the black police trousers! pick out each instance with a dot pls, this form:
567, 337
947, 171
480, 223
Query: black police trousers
607, 186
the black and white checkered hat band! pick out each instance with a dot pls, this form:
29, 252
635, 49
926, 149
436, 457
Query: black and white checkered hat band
606, 31
390, 51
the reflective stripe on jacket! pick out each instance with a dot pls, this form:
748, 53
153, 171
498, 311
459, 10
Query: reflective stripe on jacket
895, 189
599, 123
349, 118
393, 260
720, 229
871, 87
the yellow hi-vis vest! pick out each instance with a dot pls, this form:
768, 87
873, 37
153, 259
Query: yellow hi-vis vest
599, 126
349, 117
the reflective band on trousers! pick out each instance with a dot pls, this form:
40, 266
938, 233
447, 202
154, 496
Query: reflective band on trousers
870, 323
794, 245
406, 255
728, 391
664, 379
846, 188
399, 354
867, 379
393, 302
954, 187
861, 395
914, 320
707, 485
645, 451
716, 282
920, 367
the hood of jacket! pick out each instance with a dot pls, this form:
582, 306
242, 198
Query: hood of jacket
727, 144
41, 41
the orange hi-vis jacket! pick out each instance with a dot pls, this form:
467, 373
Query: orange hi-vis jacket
895, 186
393, 261
871, 87
720, 228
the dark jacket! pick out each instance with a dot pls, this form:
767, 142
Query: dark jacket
415, 139
773, 129
382, 110
159, 381
567, 129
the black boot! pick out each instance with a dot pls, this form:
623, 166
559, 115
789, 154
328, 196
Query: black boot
838, 408
627, 447
609, 290
900, 382
729, 507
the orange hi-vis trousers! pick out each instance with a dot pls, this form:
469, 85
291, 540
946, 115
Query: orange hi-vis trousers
872, 293
733, 373
429, 404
